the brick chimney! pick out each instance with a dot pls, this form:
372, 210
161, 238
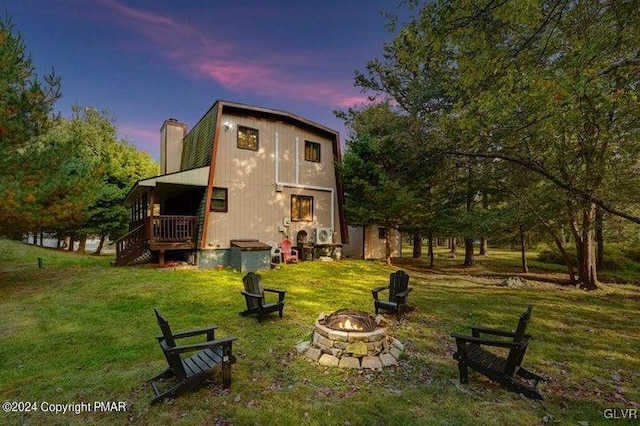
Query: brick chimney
172, 134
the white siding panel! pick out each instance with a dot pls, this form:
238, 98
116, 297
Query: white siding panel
256, 209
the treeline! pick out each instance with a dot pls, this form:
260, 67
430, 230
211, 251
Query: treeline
500, 118
63, 176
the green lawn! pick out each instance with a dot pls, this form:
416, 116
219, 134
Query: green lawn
78, 330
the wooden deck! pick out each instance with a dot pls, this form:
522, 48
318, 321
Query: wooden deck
157, 233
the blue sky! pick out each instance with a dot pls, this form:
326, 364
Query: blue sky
146, 61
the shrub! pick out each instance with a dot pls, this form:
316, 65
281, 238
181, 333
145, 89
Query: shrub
615, 258
553, 255
632, 253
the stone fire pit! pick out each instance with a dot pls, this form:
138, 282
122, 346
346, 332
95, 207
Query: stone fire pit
352, 339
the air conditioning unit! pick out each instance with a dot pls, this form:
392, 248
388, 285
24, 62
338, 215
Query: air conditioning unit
323, 235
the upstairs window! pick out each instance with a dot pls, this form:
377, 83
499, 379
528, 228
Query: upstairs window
312, 151
219, 200
301, 208
247, 138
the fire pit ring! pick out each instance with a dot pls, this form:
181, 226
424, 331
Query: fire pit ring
351, 320
349, 338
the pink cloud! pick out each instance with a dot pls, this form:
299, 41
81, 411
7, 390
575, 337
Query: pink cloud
138, 133
234, 75
158, 22
246, 77
143, 138
197, 55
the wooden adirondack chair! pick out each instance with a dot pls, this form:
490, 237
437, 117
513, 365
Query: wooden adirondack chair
189, 372
289, 254
398, 291
472, 353
254, 294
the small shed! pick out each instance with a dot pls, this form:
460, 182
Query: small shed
368, 242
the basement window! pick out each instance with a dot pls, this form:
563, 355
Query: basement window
247, 138
219, 200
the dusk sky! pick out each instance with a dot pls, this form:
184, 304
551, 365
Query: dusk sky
147, 61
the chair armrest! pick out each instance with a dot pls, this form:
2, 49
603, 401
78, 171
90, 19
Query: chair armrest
488, 342
493, 331
194, 332
281, 293
404, 293
198, 346
294, 252
252, 295
376, 290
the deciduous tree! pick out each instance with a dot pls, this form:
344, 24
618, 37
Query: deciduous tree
546, 86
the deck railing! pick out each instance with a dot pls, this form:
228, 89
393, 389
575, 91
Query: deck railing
173, 230
128, 246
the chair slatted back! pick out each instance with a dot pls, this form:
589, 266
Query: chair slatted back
398, 282
173, 360
285, 246
516, 355
165, 328
253, 284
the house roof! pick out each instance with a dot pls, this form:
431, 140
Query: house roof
195, 177
280, 114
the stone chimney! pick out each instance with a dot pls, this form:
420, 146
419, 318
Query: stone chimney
172, 134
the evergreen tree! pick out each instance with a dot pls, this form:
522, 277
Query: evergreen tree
25, 108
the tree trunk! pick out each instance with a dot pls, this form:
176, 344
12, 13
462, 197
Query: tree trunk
565, 256
417, 246
586, 247
431, 254
71, 243
523, 250
100, 245
82, 244
35, 238
587, 269
600, 238
468, 252
41, 238
453, 245
483, 246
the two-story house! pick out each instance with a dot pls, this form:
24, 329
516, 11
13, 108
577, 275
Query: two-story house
243, 173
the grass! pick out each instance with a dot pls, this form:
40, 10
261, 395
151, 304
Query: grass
78, 330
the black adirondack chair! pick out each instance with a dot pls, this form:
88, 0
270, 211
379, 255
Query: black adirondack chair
254, 294
398, 291
189, 372
472, 352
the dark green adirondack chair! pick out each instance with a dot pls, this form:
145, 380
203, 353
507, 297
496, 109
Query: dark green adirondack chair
254, 294
186, 373
473, 351
398, 291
